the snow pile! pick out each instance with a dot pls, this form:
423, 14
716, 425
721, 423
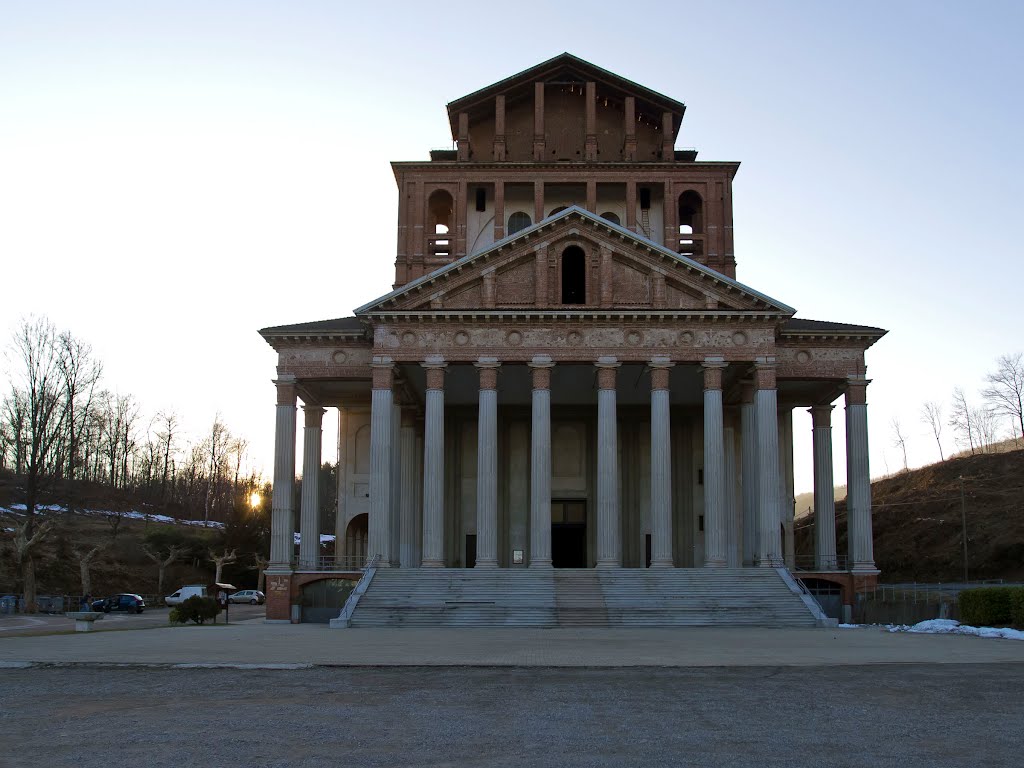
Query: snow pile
952, 627
19, 510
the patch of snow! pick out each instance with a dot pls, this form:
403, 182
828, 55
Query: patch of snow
851, 626
134, 514
325, 538
953, 627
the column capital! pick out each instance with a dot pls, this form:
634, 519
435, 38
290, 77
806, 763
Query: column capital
606, 372
287, 390
541, 366
713, 367
541, 361
857, 390
314, 415
488, 367
435, 367
383, 372
821, 415
764, 373
660, 367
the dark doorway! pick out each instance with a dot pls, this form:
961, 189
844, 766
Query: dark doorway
471, 550
574, 276
569, 534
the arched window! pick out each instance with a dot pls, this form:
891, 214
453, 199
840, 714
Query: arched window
440, 207
574, 276
557, 210
691, 222
613, 218
518, 221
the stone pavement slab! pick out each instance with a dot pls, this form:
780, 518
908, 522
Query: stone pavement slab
259, 644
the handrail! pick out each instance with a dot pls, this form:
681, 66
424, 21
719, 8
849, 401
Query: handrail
344, 620
799, 588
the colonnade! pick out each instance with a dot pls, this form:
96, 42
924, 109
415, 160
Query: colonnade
393, 471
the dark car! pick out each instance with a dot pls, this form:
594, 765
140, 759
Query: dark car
123, 602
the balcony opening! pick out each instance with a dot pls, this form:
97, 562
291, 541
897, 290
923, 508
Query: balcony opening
691, 224
518, 221
609, 216
574, 276
440, 208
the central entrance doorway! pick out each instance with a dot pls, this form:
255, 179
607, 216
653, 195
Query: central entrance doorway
569, 533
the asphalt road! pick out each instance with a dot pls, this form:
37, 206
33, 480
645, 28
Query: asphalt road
887, 715
17, 624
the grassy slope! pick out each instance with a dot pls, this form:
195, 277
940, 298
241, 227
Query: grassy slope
917, 520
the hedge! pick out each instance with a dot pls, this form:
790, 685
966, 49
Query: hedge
992, 606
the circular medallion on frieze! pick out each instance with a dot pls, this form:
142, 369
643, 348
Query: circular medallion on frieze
339, 357
514, 338
633, 338
686, 337
575, 337
739, 338
803, 357
461, 338
408, 338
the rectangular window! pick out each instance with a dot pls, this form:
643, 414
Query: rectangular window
481, 199
645, 199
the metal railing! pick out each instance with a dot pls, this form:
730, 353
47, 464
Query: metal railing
809, 563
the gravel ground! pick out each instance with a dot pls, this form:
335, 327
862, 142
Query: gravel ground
885, 715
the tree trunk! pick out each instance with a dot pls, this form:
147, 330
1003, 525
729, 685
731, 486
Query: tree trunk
28, 580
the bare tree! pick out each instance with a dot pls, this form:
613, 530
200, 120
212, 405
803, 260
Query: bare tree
221, 560
81, 373
931, 414
899, 440
986, 427
168, 430
216, 447
163, 561
1005, 390
85, 557
261, 566
37, 396
961, 419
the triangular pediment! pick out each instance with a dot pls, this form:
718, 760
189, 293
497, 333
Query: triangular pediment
619, 270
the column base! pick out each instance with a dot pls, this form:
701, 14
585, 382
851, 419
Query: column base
432, 564
769, 562
867, 567
827, 565
540, 564
664, 563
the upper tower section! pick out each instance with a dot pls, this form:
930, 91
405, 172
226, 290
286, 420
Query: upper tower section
565, 110
559, 134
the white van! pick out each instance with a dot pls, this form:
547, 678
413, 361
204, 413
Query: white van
184, 593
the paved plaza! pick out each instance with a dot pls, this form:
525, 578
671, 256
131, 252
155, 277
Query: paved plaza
912, 716
256, 643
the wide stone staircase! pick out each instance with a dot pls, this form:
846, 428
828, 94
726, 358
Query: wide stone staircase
626, 597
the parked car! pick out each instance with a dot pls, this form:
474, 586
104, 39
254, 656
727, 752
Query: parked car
185, 593
123, 602
250, 596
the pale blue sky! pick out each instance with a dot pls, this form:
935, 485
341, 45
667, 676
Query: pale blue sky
175, 176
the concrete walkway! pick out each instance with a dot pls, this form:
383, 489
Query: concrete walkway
260, 644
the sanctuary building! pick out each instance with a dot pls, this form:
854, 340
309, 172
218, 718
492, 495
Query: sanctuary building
567, 373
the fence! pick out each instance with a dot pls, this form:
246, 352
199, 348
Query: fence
54, 604
912, 602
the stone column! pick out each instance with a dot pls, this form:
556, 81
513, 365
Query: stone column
609, 545
734, 556
282, 523
787, 491
499, 210
540, 464
769, 553
748, 473
824, 493
714, 465
433, 465
407, 454
340, 518
661, 465
858, 477
309, 515
381, 433
487, 465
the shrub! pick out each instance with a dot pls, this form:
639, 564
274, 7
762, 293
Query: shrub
990, 606
195, 608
